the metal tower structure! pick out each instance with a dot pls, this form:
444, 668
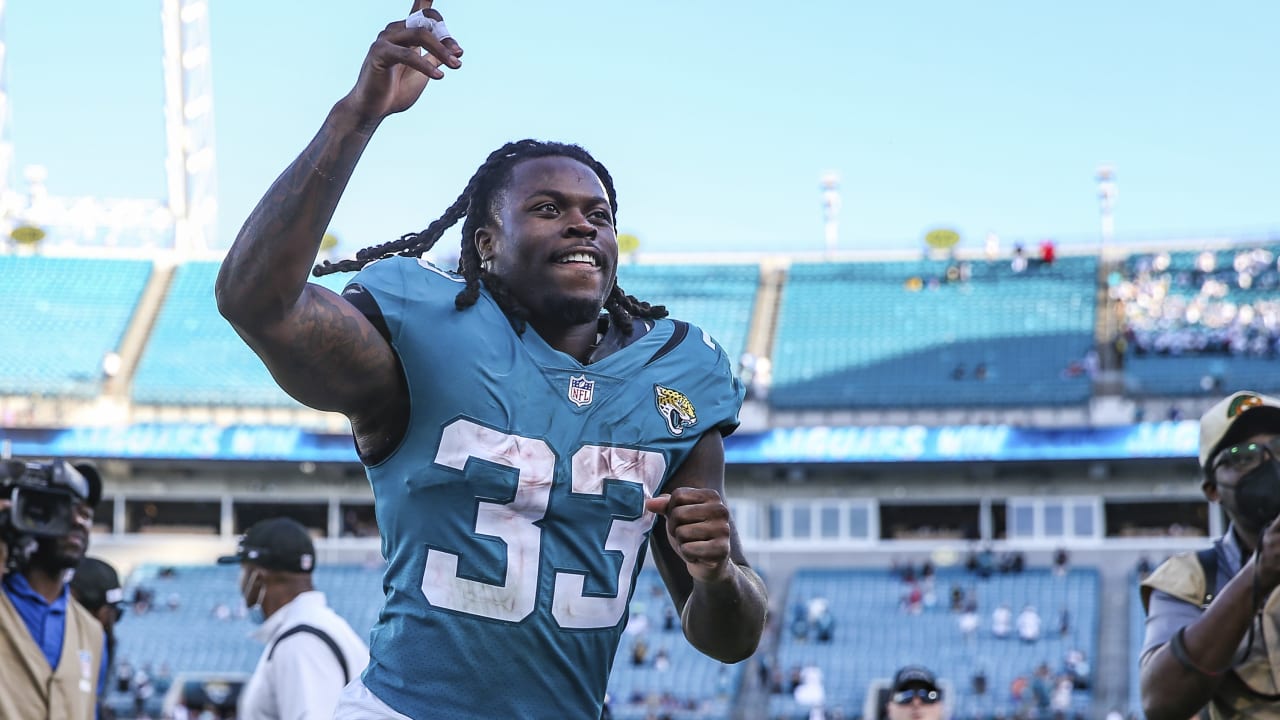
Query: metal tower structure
6, 147
188, 108
831, 210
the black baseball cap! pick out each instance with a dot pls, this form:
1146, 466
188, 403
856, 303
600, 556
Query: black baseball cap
279, 543
95, 584
914, 675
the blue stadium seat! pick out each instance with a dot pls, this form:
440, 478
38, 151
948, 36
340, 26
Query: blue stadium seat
62, 317
195, 357
896, 334
716, 298
868, 612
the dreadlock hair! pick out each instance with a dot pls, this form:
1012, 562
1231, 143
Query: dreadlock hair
477, 204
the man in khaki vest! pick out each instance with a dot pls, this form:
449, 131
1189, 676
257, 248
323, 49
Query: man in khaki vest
1212, 645
52, 654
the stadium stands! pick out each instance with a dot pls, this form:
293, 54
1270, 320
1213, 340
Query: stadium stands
1198, 322
63, 315
192, 637
716, 298
195, 358
867, 609
934, 333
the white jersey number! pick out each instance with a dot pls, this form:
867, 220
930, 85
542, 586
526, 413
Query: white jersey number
514, 523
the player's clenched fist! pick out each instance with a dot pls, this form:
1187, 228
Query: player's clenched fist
698, 529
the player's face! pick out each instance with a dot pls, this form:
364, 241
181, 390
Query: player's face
554, 241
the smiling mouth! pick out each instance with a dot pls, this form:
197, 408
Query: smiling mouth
579, 258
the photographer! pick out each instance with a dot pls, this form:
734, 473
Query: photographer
1212, 638
52, 650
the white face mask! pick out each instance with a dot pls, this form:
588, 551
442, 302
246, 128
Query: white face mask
256, 614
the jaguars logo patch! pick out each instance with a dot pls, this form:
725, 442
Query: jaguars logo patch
1242, 403
675, 409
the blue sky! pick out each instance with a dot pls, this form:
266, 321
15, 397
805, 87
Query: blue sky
716, 119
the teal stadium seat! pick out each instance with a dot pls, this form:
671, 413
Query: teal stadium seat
857, 335
194, 357
866, 606
716, 298
63, 315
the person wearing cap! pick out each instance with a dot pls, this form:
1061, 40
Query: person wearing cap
1212, 641
53, 652
311, 653
96, 586
914, 695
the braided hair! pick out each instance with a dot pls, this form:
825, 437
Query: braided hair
477, 204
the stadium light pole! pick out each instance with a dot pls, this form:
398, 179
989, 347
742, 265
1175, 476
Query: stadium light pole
188, 112
7, 202
1107, 192
831, 210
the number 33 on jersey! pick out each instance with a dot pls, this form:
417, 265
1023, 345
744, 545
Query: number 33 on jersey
515, 503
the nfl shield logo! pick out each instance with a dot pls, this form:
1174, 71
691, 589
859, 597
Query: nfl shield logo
580, 390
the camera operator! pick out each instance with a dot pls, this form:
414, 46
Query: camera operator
52, 650
1212, 641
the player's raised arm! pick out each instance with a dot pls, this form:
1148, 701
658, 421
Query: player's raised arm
722, 601
319, 348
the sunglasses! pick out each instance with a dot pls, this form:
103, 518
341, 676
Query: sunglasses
928, 697
1247, 456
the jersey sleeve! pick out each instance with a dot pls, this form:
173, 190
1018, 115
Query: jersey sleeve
405, 289
381, 281
716, 392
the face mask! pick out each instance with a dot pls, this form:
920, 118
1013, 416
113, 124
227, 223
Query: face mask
256, 614
1258, 495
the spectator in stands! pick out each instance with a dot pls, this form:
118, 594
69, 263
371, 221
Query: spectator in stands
824, 626
1048, 252
1076, 667
811, 693
914, 694
436, 369
968, 622
1064, 621
1041, 687
1029, 624
1060, 561
640, 651
1002, 621
979, 682
1019, 262
1202, 607
311, 653
96, 586
53, 652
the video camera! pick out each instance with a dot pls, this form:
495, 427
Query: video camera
43, 497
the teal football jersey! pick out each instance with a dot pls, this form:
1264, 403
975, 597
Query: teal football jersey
512, 513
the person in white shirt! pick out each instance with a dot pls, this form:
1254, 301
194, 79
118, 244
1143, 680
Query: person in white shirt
311, 653
1029, 624
1001, 621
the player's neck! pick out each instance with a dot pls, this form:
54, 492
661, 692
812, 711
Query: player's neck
578, 341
